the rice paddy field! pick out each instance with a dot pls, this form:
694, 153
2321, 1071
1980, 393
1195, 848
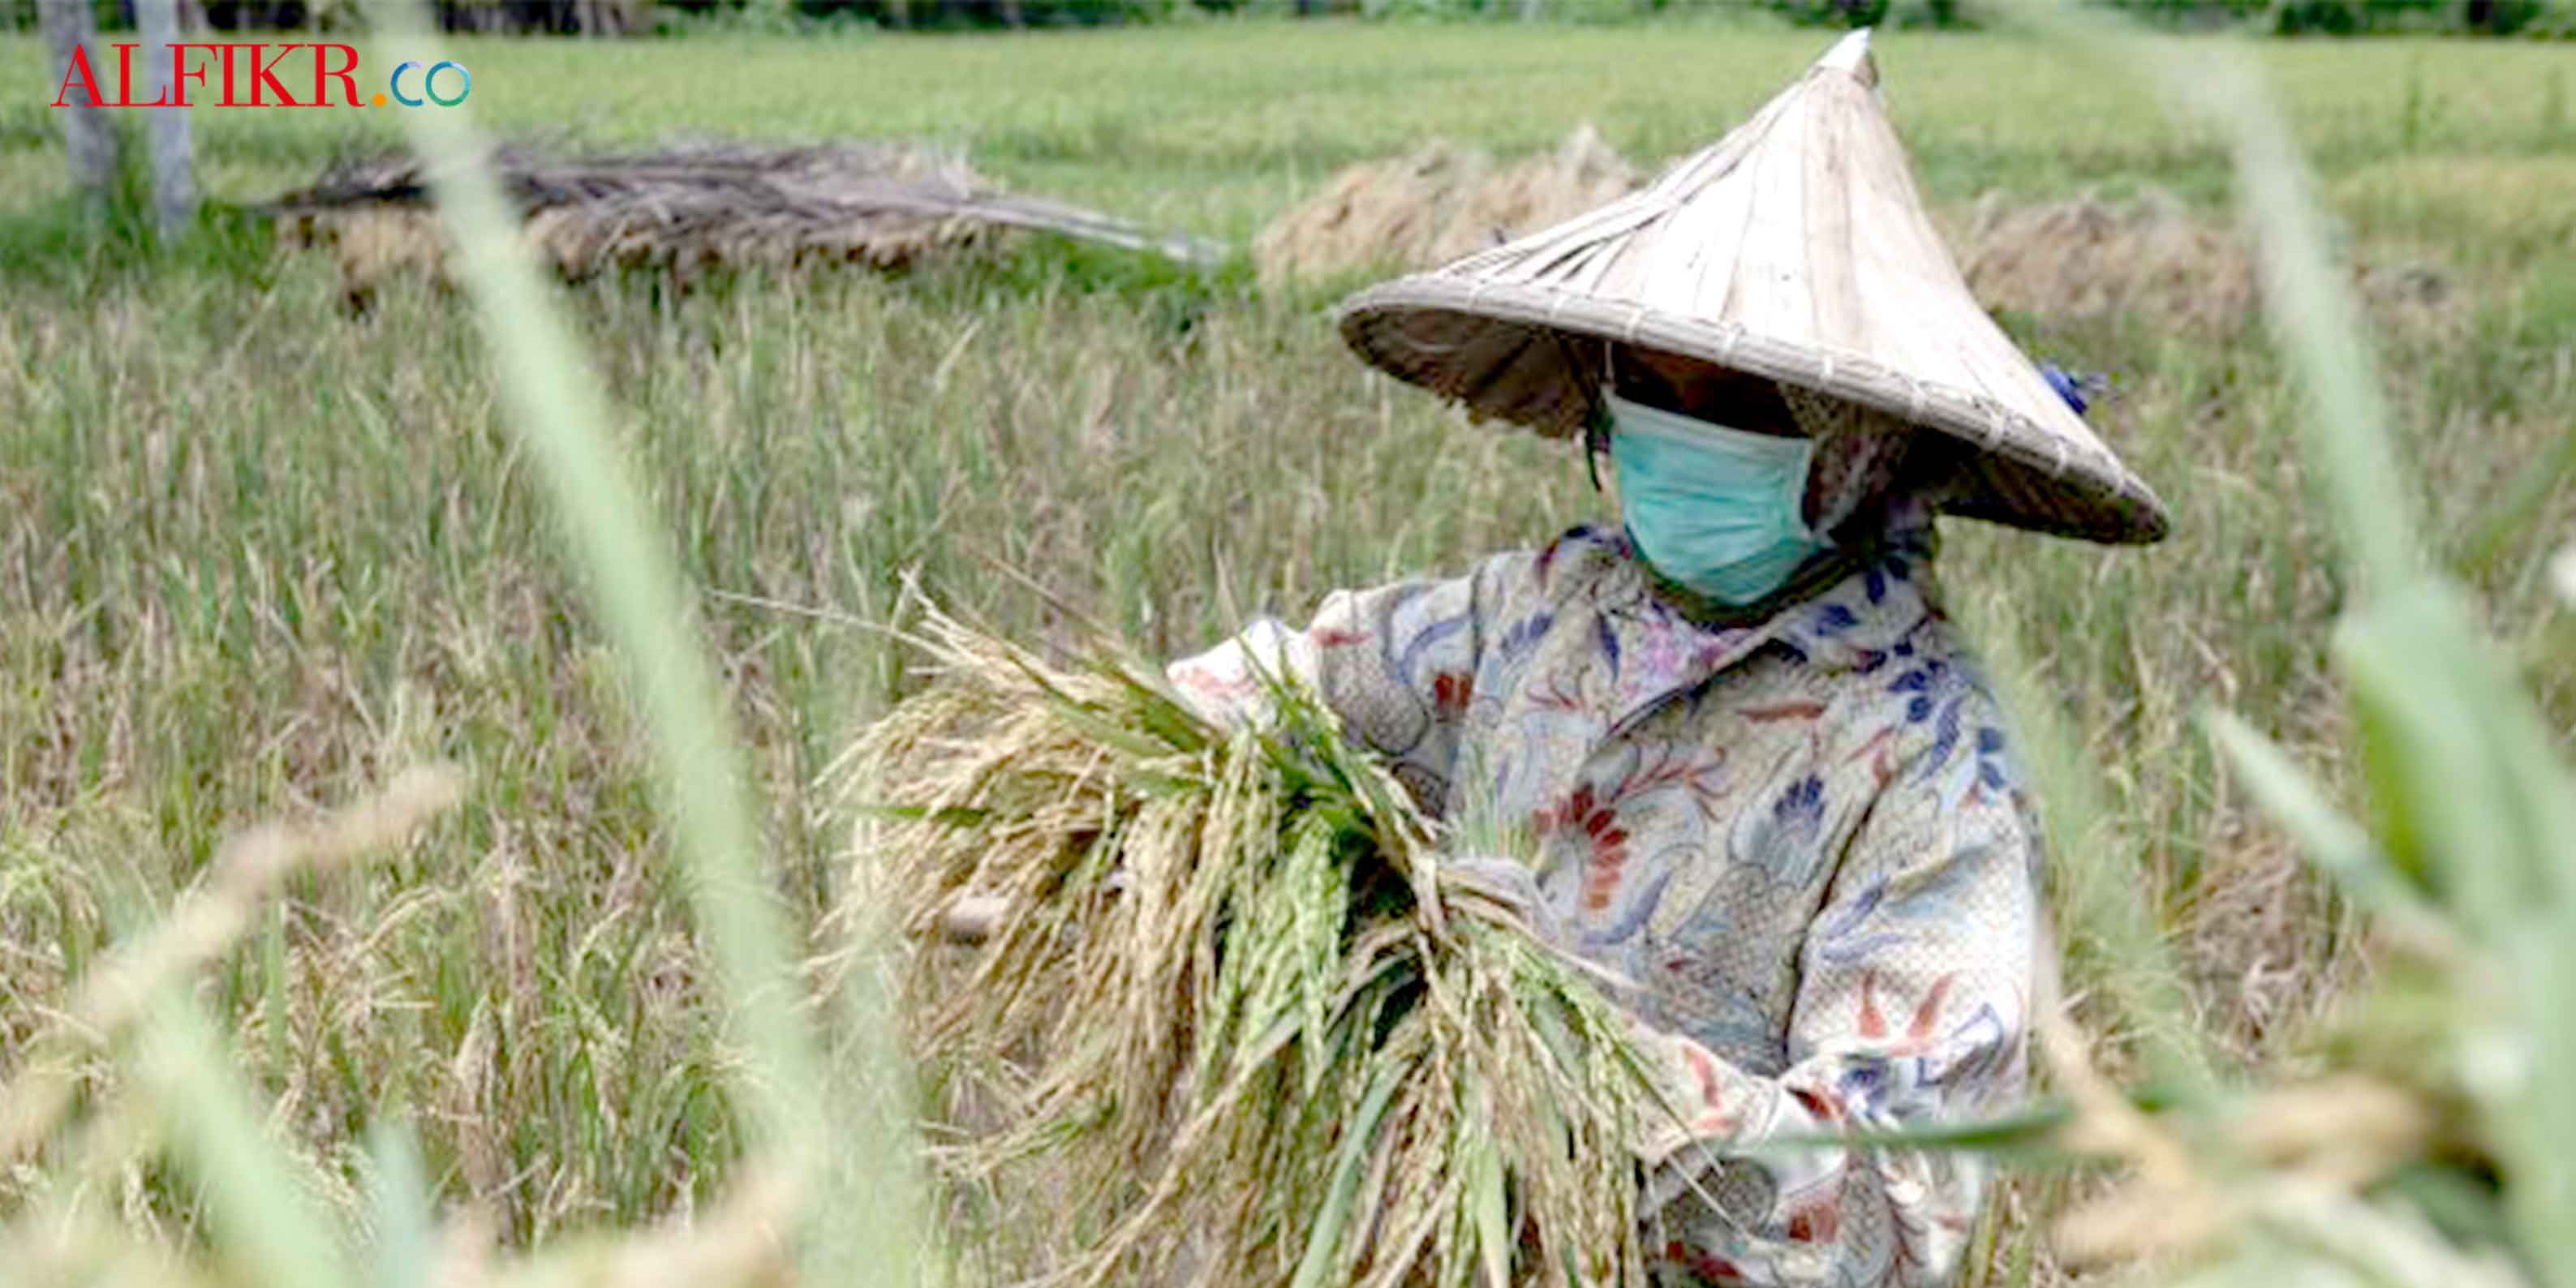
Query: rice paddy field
258, 554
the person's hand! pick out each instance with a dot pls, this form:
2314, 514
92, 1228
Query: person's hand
973, 918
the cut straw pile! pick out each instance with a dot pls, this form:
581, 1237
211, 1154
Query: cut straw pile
2153, 258
1234, 1021
1438, 204
690, 207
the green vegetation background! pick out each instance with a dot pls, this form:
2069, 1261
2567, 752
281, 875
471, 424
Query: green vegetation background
256, 554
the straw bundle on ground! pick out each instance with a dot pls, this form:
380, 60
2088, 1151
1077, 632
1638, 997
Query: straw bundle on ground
2152, 258
1233, 1018
694, 207
2088, 258
1436, 205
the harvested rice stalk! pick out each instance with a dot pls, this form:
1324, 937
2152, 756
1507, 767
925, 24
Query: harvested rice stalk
1236, 1018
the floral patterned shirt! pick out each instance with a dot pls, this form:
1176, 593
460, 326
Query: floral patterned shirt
1801, 842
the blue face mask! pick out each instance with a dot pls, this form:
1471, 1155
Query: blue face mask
1721, 511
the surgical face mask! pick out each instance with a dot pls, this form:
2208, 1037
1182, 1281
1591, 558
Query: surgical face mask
1718, 510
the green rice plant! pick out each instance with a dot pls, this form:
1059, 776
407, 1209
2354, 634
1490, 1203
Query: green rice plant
1233, 1011
257, 1194
188, 1098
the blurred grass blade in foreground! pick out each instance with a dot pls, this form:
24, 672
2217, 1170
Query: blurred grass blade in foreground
560, 412
2475, 809
2472, 796
268, 1224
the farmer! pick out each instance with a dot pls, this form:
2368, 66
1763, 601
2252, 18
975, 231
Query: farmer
1759, 775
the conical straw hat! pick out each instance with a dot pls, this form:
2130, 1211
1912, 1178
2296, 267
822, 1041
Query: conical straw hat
1796, 249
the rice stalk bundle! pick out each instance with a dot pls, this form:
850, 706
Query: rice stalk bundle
1235, 1016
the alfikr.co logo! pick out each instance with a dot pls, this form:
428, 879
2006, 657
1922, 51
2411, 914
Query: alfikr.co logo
261, 75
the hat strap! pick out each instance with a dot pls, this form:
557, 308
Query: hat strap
1596, 414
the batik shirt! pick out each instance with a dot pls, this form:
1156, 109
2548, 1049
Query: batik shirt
1800, 843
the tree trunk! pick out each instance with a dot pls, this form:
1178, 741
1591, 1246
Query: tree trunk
71, 25
174, 162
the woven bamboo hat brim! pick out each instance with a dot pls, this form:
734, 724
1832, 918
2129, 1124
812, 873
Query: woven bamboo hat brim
1795, 249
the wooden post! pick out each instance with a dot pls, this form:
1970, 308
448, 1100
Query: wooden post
174, 162
69, 26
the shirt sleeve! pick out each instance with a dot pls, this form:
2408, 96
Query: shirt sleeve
1915, 983
1395, 663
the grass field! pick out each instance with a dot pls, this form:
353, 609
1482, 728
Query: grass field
256, 555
